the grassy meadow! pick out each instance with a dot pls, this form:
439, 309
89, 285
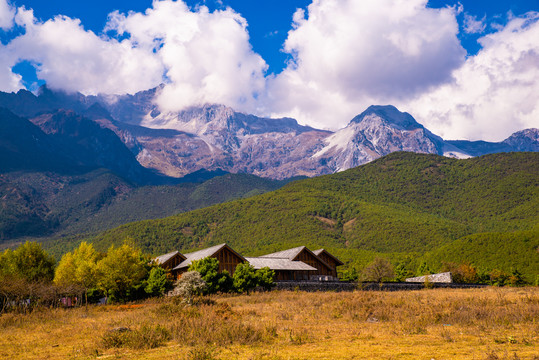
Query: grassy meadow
489, 323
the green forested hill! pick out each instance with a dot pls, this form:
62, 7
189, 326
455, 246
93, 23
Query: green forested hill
53, 205
483, 210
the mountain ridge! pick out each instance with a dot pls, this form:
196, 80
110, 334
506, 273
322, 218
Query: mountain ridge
217, 137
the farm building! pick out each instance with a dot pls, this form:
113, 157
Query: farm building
289, 265
331, 260
228, 259
303, 254
169, 261
285, 269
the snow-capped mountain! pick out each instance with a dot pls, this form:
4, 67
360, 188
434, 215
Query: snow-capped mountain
217, 137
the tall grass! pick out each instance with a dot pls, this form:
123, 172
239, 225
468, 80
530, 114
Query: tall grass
442, 323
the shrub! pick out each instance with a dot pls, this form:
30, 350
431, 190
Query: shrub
188, 286
265, 278
379, 270
245, 278
201, 353
208, 268
461, 273
157, 282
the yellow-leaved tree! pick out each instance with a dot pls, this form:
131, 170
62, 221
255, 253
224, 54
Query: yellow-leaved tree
122, 272
78, 268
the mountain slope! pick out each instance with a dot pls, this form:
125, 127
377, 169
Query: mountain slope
403, 203
48, 204
215, 137
88, 144
24, 146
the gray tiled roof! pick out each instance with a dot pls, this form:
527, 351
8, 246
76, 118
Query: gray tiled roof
201, 254
320, 251
291, 254
161, 259
279, 264
285, 254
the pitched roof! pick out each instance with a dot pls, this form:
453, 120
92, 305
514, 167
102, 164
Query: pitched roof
291, 254
320, 251
286, 254
204, 253
161, 259
279, 264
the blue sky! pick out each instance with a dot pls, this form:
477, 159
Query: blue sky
465, 69
269, 20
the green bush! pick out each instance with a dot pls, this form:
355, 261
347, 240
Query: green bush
158, 282
208, 268
265, 278
245, 278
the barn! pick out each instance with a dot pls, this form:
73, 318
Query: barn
169, 261
296, 264
228, 259
303, 254
329, 259
285, 269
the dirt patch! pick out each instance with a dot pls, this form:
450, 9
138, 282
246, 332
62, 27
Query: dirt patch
326, 221
349, 225
188, 231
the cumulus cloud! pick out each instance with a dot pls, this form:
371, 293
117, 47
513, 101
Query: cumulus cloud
345, 56
71, 58
348, 54
7, 13
8, 80
202, 57
495, 93
207, 56
474, 26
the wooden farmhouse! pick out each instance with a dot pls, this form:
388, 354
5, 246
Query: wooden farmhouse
301, 253
329, 259
228, 259
285, 269
297, 264
169, 261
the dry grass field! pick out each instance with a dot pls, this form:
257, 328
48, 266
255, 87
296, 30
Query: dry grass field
490, 323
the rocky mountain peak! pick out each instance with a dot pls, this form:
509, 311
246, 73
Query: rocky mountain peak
388, 114
525, 140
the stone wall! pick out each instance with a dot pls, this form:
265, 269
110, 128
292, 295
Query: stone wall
351, 286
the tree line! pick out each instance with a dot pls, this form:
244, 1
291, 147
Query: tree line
382, 270
30, 277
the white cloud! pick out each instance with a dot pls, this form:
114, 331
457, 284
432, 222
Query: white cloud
472, 25
494, 94
203, 57
348, 54
8, 80
207, 56
70, 58
7, 13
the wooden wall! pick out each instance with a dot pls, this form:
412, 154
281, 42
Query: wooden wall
228, 260
315, 262
331, 262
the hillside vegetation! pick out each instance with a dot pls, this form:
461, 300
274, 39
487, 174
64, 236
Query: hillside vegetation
408, 207
49, 204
